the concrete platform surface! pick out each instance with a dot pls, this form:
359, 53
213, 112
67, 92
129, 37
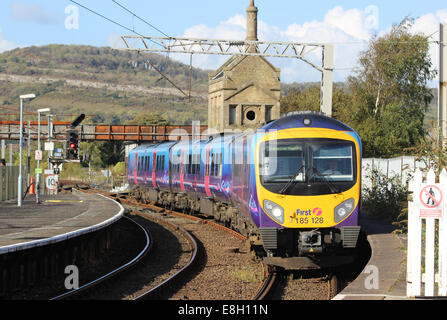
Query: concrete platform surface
57, 218
384, 276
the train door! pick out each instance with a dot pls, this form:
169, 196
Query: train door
207, 170
135, 171
182, 169
154, 166
246, 183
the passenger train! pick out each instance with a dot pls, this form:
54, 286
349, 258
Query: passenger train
292, 187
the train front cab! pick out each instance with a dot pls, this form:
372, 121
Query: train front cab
312, 214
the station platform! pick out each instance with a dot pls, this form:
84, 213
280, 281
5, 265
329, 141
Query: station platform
384, 276
57, 218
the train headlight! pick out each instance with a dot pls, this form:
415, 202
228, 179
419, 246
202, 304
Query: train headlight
307, 122
343, 210
274, 210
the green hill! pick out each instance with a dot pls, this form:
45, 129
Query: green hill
109, 85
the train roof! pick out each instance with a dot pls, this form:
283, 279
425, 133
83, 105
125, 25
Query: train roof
307, 120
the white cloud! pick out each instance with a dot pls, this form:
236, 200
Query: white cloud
348, 29
233, 28
6, 45
28, 12
428, 25
339, 26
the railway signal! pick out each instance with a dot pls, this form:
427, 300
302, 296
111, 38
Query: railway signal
77, 121
72, 144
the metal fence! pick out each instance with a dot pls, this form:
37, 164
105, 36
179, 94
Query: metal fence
8, 182
403, 167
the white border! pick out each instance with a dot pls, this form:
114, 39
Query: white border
65, 236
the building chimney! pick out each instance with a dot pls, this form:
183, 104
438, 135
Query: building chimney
252, 24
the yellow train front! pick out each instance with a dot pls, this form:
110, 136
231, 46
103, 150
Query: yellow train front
308, 183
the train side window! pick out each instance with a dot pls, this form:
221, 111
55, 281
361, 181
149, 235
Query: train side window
195, 164
198, 164
160, 162
207, 168
139, 165
188, 165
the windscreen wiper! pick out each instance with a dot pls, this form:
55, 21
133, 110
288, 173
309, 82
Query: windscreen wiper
292, 180
329, 183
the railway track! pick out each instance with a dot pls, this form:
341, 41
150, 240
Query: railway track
275, 285
113, 273
160, 215
303, 285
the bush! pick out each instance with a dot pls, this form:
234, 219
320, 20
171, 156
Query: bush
386, 199
119, 169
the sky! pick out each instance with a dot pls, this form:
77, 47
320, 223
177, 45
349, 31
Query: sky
349, 25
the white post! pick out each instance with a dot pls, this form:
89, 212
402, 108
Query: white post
327, 80
414, 233
38, 161
430, 247
19, 186
20, 180
410, 245
442, 97
39, 148
442, 260
3, 157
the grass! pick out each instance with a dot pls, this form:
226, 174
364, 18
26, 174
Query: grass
247, 274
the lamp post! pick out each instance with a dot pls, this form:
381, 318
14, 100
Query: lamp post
39, 111
20, 180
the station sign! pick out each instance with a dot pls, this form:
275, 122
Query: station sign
38, 155
49, 146
51, 181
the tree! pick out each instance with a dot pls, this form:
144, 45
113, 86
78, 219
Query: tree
308, 99
111, 152
148, 119
390, 93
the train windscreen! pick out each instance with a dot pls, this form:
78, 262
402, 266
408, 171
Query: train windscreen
307, 166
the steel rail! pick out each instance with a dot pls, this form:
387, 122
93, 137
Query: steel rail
267, 285
271, 276
113, 273
190, 238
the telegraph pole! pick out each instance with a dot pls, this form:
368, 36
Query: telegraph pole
442, 95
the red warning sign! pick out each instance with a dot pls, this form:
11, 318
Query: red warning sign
431, 198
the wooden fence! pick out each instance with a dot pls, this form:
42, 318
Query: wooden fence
427, 236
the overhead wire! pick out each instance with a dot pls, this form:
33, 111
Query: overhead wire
141, 19
113, 21
167, 54
125, 27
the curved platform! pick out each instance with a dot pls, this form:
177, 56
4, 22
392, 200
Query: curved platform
56, 219
384, 276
